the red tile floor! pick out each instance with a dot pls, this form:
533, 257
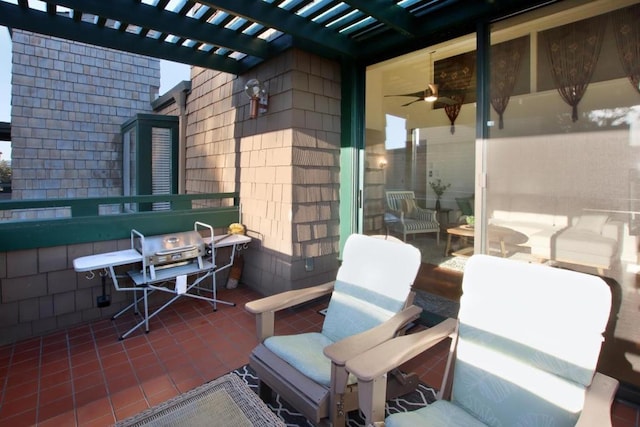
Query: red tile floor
85, 376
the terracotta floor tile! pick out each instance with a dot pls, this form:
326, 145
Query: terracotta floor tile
150, 372
126, 396
21, 390
95, 412
94, 379
116, 384
51, 409
162, 396
56, 392
63, 419
157, 385
82, 369
189, 344
111, 348
23, 419
187, 384
131, 409
114, 359
18, 406
90, 395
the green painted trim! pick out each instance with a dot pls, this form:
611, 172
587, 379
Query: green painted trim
86, 226
351, 144
141, 126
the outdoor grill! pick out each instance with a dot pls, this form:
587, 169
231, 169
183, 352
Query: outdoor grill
171, 250
185, 264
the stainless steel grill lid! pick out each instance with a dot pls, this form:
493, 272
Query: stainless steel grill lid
171, 248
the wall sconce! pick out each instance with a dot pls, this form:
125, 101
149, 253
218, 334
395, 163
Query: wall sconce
382, 163
259, 96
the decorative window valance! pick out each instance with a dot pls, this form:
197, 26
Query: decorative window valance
573, 52
506, 58
626, 27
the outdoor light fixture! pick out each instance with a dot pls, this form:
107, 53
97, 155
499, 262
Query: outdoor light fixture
382, 163
259, 96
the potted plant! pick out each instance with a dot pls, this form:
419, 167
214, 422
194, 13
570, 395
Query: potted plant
439, 188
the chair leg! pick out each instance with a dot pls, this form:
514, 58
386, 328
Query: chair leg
372, 398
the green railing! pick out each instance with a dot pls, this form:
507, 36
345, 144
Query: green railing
85, 223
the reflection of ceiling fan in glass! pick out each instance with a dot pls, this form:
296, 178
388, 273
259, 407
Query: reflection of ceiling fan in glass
430, 94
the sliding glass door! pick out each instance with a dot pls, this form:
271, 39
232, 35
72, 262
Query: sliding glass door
556, 182
563, 157
420, 138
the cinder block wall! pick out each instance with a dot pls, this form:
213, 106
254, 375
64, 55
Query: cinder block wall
41, 292
284, 163
68, 101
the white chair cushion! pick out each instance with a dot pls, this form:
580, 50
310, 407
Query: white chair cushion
354, 309
438, 414
506, 377
304, 352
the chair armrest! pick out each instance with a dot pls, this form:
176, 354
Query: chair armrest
397, 214
598, 401
425, 214
354, 345
265, 308
288, 299
393, 353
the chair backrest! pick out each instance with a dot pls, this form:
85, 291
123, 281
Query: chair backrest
395, 198
529, 341
372, 284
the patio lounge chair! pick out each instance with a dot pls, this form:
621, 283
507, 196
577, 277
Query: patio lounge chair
524, 352
404, 216
370, 303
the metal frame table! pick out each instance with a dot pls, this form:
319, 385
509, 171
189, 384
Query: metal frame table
205, 268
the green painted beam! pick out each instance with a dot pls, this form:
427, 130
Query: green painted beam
388, 12
443, 23
272, 16
146, 16
13, 16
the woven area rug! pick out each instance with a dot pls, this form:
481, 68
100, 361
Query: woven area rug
434, 254
435, 308
226, 401
417, 399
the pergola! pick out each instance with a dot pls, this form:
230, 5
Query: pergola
236, 35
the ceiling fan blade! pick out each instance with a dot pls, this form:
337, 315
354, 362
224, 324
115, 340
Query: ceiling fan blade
412, 102
445, 100
416, 94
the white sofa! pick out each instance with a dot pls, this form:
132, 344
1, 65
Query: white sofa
592, 240
559, 229
534, 216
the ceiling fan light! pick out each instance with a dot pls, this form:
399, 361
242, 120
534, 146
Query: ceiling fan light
431, 94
